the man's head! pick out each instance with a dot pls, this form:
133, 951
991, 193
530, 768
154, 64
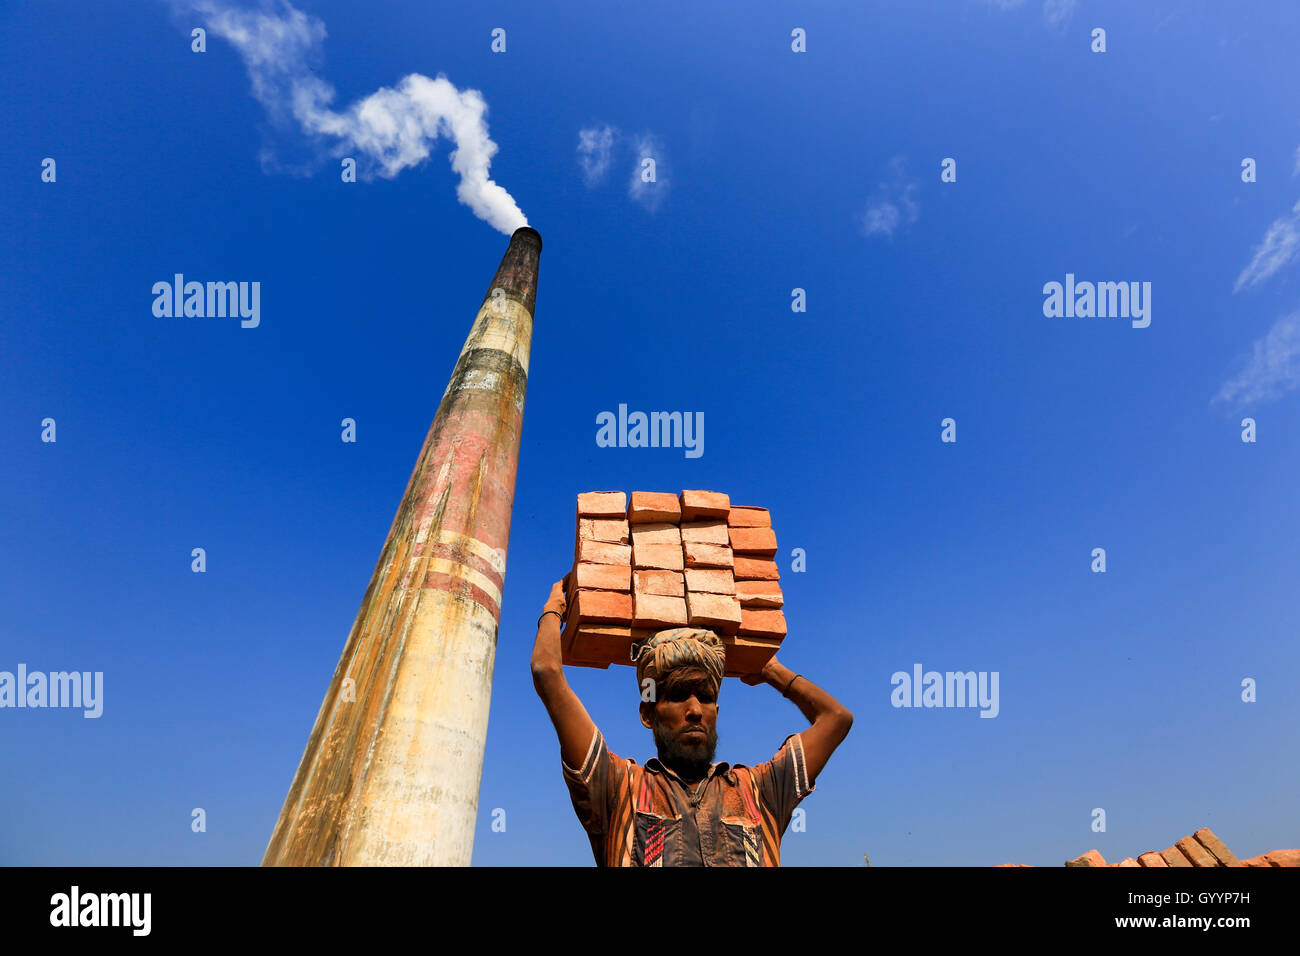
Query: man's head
680, 672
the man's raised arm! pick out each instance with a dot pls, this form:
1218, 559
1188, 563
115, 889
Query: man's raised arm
831, 720
572, 723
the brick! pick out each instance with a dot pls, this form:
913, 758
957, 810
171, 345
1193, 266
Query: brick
657, 532
1255, 861
1174, 857
1196, 853
599, 645
753, 541
603, 529
602, 504
659, 556
749, 568
747, 655
612, 607
1091, 858
709, 531
759, 622
719, 612
706, 555
1152, 859
1283, 857
601, 552
603, 577
710, 580
655, 610
1127, 861
759, 594
1206, 838
653, 506
665, 583
745, 516
704, 504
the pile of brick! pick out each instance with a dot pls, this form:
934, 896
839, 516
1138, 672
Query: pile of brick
1202, 848
665, 560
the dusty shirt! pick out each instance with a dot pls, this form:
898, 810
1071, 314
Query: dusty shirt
648, 816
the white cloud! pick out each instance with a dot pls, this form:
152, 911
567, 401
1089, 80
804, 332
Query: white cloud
1279, 246
595, 146
649, 193
892, 205
1057, 12
1271, 370
391, 130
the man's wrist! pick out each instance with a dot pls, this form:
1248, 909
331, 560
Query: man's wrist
777, 674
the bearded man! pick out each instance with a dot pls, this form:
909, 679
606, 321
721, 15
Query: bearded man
682, 808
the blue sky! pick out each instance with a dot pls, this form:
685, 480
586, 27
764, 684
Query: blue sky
1120, 690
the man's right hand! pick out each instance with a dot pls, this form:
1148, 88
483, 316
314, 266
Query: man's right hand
557, 601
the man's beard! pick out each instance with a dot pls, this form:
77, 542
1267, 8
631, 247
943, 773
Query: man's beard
686, 758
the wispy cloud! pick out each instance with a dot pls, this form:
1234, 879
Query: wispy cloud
390, 130
1271, 370
649, 192
1281, 244
595, 152
892, 205
1058, 12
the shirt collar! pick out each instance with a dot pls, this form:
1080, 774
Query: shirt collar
654, 764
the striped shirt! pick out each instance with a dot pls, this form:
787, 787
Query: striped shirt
649, 816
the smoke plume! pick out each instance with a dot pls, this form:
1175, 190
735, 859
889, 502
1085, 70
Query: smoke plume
388, 131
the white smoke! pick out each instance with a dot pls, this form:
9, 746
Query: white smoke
392, 128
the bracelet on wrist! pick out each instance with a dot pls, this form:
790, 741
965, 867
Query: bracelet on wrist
789, 683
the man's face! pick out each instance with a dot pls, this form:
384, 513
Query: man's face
685, 725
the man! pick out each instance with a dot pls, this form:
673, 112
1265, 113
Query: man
682, 809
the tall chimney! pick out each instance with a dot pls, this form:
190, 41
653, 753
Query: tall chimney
390, 776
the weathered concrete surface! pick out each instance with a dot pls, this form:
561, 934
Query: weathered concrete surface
391, 772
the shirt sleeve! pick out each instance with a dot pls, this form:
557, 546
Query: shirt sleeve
591, 785
783, 781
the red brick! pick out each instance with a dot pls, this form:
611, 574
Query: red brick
601, 552
719, 612
1091, 858
660, 556
704, 504
604, 529
1255, 861
612, 607
756, 622
748, 568
710, 580
602, 504
709, 531
745, 516
1198, 854
666, 583
706, 555
747, 655
759, 594
1283, 857
653, 506
657, 532
1152, 859
655, 610
1206, 838
753, 541
1127, 861
599, 645
602, 577
1174, 857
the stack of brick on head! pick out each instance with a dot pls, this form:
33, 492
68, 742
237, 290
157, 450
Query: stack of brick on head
682, 808
665, 560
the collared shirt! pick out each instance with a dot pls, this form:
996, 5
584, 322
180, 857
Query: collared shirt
649, 816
